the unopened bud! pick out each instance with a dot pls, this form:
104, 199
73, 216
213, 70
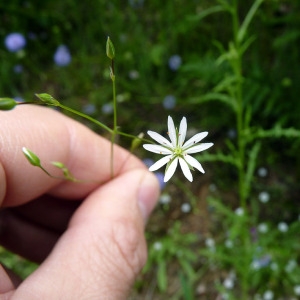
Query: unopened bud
47, 99
7, 103
110, 49
136, 141
31, 157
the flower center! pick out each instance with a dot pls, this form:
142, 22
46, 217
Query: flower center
178, 151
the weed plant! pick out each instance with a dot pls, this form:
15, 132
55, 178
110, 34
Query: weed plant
229, 67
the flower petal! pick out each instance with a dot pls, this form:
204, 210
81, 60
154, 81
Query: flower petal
195, 139
185, 169
171, 169
182, 131
160, 163
157, 149
194, 163
198, 148
172, 131
159, 138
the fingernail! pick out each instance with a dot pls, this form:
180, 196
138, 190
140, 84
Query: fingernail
148, 194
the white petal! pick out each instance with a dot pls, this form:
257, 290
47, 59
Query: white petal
172, 131
182, 131
159, 138
160, 163
171, 169
194, 163
195, 139
157, 149
185, 169
198, 148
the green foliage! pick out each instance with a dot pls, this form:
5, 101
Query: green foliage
173, 246
242, 75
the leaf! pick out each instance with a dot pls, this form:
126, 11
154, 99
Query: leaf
251, 13
215, 97
162, 276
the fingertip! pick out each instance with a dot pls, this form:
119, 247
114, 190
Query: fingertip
148, 193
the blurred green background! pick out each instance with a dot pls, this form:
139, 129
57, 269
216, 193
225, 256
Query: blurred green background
166, 62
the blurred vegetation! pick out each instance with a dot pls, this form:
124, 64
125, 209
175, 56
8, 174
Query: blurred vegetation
146, 36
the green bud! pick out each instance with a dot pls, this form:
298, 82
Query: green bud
48, 99
65, 170
110, 49
112, 75
137, 141
7, 103
58, 164
31, 157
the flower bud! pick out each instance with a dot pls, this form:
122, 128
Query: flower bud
7, 103
31, 157
110, 49
136, 141
47, 99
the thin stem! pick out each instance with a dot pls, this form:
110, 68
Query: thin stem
237, 68
238, 94
86, 117
115, 126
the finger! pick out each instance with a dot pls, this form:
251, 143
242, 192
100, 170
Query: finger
53, 137
32, 229
6, 283
25, 238
103, 249
47, 211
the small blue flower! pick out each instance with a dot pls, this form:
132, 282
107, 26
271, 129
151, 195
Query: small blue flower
89, 109
175, 62
14, 42
160, 177
19, 99
148, 162
62, 56
18, 69
186, 207
136, 3
169, 102
134, 74
264, 197
107, 108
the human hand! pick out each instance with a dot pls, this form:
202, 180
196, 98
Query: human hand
88, 237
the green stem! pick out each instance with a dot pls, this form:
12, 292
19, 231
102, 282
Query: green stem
78, 113
115, 126
238, 94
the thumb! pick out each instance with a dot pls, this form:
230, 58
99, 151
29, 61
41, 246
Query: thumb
103, 249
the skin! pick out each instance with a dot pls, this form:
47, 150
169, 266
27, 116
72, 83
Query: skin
87, 237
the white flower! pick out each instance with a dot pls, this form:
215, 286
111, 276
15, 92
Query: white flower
268, 295
297, 290
176, 150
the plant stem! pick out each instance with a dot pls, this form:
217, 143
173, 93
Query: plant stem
115, 126
238, 94
78, 113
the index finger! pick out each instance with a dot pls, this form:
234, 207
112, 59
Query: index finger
53, 137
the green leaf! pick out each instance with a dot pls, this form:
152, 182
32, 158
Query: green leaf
162, 276
251, 167
243, 28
